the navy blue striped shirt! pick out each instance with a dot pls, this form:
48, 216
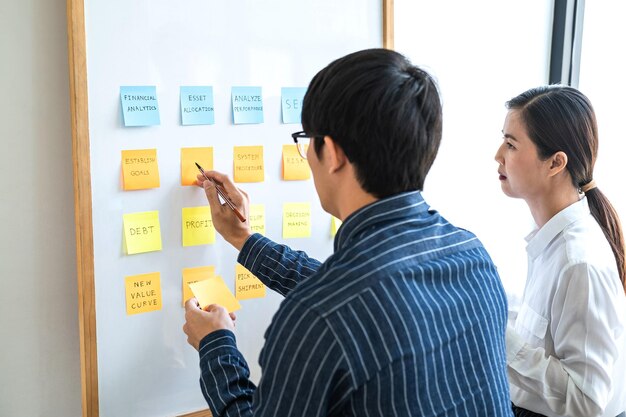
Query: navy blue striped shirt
406, 318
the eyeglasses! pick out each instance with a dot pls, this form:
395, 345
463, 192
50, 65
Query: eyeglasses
302, 140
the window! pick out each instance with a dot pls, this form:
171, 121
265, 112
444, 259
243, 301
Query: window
602, 70
482, 53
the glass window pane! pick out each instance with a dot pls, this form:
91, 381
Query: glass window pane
602, 70
482, 53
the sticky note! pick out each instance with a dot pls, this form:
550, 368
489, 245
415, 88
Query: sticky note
140, 169
139, 105
257, 218
214, 291
335, 224
291, 103
296, 220
247, 285
188, 158
294, 166
191, 275
143, 293
248, 164
142, 232
196, 105
247, 105
197, 226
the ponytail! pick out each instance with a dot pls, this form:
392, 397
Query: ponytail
606, 216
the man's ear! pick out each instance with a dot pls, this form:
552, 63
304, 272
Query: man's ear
558, 162
336, 158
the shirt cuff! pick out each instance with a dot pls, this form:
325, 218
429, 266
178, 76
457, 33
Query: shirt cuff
217, 342
251, 250
514, 344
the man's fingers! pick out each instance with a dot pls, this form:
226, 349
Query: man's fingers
225, 182
191, 304
211, 195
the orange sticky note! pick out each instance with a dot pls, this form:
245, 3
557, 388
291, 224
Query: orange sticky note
197, 226
188, 159
294, 167
140, 169
248, 164
191, 275
214, 291
143, 293
257, 218
247, 285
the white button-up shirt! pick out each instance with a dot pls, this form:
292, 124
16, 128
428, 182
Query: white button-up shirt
566, 351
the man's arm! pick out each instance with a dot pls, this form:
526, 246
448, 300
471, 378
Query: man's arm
304, 369
277, 266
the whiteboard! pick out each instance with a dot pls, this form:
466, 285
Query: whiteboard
144, 365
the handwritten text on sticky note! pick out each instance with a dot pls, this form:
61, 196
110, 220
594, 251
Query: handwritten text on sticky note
196, 105
247, 285
140, 169
257, 218
296, 220
142, 232
294, 166
139, 105
291, 103
247, 105
248, 164
197, 226
143, 293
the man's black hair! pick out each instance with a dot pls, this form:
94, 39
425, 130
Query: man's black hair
384, 112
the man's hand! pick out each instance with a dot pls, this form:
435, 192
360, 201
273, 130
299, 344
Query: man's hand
233, 230
199, 323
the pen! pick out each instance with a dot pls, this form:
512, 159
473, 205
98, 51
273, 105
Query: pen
223, 195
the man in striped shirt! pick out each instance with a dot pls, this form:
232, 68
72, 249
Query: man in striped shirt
408, 316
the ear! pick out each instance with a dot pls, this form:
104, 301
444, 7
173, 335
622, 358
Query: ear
558, 162
336, 158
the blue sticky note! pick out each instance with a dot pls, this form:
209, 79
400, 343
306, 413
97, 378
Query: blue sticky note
139, 105
247, 105
196, 105
291, 103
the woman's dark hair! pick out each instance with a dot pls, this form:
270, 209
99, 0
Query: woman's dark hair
561, 118
384, 113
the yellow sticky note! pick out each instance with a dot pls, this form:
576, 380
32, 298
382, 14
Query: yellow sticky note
143, 293
188, 158
296, 220
214, 291
257, 218
294, 167
142, 232
335, 224
247, 285
140, 169
197, 226
191, 275
248, 164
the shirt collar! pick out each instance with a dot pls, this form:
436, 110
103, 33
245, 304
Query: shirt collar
404, 205
539, 239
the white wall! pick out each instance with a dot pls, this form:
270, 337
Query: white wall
39, 350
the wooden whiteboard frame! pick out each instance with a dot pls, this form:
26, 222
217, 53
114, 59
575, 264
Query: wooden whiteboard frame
82, 197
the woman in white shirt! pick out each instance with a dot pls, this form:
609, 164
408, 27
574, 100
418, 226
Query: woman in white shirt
566, 351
